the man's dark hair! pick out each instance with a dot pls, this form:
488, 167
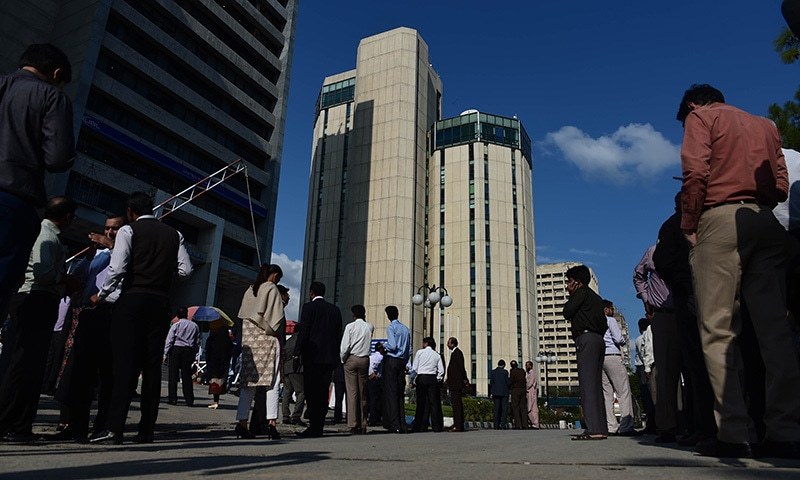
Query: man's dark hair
580, 273
282, 289
701, 94
46, 58
379, 347
391, 312
454, 341
608, 304
317, 288
358, 310
183, 312
114, 216
501, 363
429, 341
140, 203
514, 364
59, 207
678, 202
643, 324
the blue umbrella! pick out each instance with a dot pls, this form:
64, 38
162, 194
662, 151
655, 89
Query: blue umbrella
206, 314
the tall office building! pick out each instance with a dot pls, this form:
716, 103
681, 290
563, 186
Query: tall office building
554, 331
166, 92
400, 198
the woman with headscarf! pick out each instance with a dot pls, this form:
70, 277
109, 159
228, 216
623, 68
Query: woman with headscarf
263, 323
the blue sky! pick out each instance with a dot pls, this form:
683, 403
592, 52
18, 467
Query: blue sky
596, 84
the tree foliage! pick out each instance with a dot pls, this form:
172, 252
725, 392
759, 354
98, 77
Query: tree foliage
787, 117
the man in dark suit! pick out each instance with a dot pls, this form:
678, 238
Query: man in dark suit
318, 337
456, 382
499, 384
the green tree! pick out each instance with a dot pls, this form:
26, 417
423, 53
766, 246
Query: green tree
787, 117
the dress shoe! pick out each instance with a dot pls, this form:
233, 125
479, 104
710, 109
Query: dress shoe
172, 402
272, 433
718, 448
214, 406
308, 433
629, 433
242, 432
142, 438
665, 437
299, 422
67, 435
773, 449
107, 437
11, 437
690, 440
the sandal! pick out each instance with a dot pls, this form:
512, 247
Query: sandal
587, 436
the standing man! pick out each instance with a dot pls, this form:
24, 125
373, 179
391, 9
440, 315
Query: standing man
147, 256
292, 384
657, 299
499, 383
319, 334
519, 405
375, 386
671, 261
584, 310
34, 311
354, 352
615, 378
398, 350
532, 389
180, 351
427, 371
457, 380
734, 173
645, 372
35, 136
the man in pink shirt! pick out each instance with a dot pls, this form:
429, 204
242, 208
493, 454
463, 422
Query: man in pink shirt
734, 173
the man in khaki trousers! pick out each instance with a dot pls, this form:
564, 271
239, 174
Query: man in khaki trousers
734, 173
354, 351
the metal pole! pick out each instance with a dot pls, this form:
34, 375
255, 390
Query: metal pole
547, 381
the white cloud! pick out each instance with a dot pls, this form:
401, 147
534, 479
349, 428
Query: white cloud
292, 277
633, 152
588, 252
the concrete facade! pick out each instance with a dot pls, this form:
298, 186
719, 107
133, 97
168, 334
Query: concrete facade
391, 210
166, 92
554, 332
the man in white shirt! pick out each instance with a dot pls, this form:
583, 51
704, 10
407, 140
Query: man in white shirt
427, 372
646, 372
375, 386
615, 378
354, 352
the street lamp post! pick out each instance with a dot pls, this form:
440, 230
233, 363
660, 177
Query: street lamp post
434, 295
546, 357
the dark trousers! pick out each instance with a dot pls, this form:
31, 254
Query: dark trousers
375, 401
33, 316
457, 402
181, 358
667, 352
519, 408
500, 411
19, 227
394, 389
91, 362
139, 327
54, 357
316, 380
700, 400
293, 383
591, 353
429, 404
647, 399
258, 419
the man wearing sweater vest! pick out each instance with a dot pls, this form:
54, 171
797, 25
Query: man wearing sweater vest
147, 256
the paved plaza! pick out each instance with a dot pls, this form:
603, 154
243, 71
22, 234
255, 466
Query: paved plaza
193, 442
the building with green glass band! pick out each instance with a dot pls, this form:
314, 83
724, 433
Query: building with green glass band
400, 197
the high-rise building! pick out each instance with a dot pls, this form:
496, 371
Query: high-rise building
400, 198
166, 92
554, 329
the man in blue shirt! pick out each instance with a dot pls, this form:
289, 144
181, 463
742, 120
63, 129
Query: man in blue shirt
398, 351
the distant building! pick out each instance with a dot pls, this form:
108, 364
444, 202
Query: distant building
554, 331
400, 197
166, 92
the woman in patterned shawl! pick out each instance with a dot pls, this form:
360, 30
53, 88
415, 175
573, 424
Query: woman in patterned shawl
262, 322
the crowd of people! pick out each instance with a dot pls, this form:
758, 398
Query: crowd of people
716, 338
